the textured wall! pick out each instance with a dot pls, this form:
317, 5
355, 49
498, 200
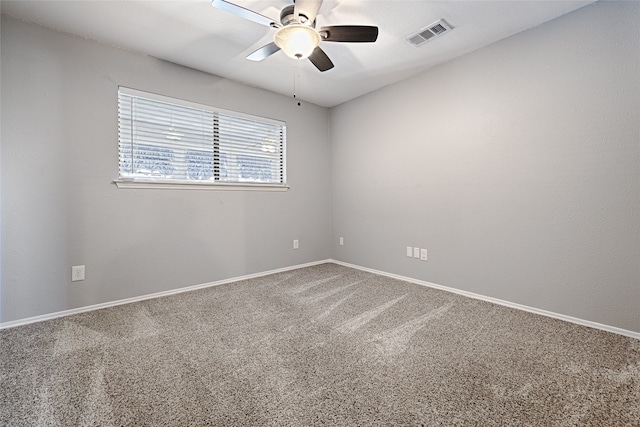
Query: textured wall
59, 207
517, 166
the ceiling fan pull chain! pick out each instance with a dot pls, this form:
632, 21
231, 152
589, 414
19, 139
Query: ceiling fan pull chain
294, 82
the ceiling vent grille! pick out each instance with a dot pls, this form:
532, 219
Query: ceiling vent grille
430, 32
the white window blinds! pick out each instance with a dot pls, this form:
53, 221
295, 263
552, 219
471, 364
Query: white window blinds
165, 140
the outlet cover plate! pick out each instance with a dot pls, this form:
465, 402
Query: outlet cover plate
77, 273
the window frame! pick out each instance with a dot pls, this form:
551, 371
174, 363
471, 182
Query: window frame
170, 184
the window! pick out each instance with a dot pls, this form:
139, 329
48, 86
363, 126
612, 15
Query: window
172, 142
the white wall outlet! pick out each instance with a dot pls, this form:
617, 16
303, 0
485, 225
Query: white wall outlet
416, 252
423, 254
296, 244
77, 273
341, 241
409, 251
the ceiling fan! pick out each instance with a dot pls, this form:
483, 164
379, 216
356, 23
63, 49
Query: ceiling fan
296, 33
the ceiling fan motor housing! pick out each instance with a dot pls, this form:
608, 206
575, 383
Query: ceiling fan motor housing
287, 16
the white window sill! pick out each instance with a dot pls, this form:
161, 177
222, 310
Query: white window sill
160, 185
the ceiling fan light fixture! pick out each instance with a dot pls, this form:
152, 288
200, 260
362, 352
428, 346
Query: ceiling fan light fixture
296, 40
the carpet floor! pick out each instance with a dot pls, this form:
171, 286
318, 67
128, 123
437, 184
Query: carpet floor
322, 345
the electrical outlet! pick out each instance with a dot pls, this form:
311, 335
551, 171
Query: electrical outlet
423, 254
416, 252
296, 244
77, 273
409, 251
342, 241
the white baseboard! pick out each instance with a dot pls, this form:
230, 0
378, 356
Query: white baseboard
63, 313
576, 320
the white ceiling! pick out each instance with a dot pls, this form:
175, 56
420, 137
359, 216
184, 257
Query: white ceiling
197, 35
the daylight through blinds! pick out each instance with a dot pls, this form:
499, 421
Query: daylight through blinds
163, 139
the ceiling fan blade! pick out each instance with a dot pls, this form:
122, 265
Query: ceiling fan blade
320, 60
308, 8
349, 33
264, 52
242, 12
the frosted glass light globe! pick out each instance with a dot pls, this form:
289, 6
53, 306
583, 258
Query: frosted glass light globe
297, 41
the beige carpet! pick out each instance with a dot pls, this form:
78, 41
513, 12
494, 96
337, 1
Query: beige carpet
324, 345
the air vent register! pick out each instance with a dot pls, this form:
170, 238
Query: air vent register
430, 32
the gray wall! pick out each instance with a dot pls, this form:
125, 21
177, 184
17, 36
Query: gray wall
59, 207
517, 167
